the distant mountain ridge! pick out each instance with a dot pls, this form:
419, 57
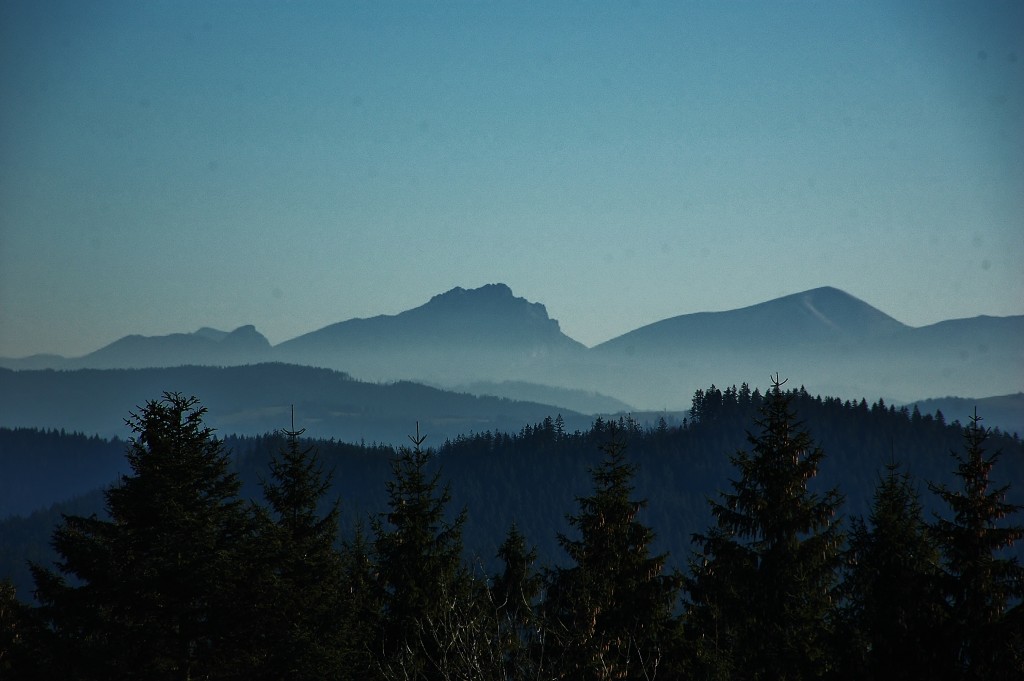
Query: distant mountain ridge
207, 346
258, 398
584, 402
459, 315
819, 315
455, 336
825, 338
1005, 412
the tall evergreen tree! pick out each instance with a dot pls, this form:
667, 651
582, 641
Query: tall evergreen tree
18, 635
761, 590
514, 593
300, 586
153, 591
419, 559
362, 608
893, 601
609, 615
983, 587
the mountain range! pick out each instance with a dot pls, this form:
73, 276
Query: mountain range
825, 339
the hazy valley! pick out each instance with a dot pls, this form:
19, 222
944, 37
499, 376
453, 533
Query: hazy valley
487, 341
517, 414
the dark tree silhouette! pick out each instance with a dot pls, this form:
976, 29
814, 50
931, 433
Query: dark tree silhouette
893, 613
154, 591
983, 587
362, 610
419, 559
761, 590
514, 593
300, 584
609, 615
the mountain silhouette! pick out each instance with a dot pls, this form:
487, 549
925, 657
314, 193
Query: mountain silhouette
824, 338
207, 346
458, 335
820, 315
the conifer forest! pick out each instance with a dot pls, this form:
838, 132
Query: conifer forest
407, 340
765, 536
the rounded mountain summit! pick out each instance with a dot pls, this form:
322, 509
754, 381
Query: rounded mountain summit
819, 315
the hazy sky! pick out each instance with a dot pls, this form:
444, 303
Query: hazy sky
167, 165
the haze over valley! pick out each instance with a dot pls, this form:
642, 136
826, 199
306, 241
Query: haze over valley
488, 341
538, 340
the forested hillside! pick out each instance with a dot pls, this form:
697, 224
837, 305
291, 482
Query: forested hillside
255, 399
39, 467
544, 481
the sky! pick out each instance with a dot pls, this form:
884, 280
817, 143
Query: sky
173, 164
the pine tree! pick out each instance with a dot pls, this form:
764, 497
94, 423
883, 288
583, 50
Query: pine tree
19, 635
514, 593
983, 587
518, 585
893, 601
153, 590
609, 615
362, 608
761, 590
717, 614
419, 558
301, 583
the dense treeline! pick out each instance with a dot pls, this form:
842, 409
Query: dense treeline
191, 573
531, 476
64, 464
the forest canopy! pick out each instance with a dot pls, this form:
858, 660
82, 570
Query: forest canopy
627, 550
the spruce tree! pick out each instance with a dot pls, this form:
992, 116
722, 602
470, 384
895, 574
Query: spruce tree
514, 593
19, 637
761, 589
717, 614
300, 586
152, 592
893, 609
609, 615
983, 586
419, 560
362, 608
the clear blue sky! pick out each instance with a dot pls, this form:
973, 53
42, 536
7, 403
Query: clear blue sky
167, 165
